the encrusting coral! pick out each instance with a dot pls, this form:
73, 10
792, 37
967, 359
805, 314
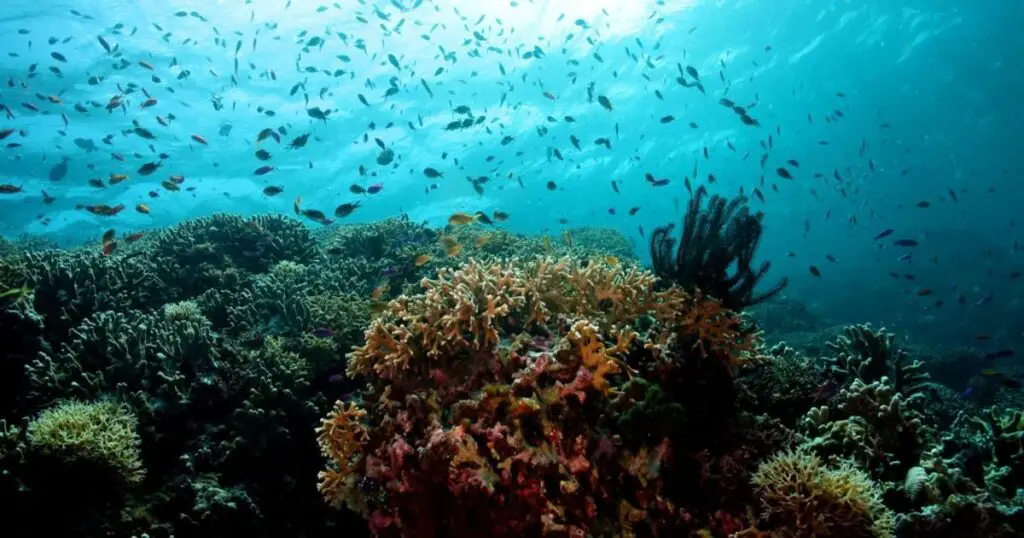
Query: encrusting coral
483, 411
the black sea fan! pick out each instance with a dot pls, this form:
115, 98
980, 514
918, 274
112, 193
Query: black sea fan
716, 240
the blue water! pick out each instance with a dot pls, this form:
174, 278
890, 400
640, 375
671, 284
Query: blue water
930, 90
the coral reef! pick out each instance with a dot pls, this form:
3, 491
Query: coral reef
474, 381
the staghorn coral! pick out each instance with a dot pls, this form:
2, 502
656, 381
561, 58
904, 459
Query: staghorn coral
485, 396
865, 354
721, 238
801, 497
100, 433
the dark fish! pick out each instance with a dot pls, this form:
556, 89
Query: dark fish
273, 190
148, 168
59, 170
1001, 354
884, 233
905, 243
814, 271
783, 173
345, 209
263, 170
263, 155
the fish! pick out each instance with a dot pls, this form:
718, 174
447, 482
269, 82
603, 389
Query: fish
814, 271
273, 190
59, 170
461, 219
263, 170
905, 242
884, 233
148, 168
345, 209
422, 260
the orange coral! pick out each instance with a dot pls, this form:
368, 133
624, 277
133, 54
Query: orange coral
469, 309
341, 436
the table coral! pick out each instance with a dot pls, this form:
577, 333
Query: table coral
486, 406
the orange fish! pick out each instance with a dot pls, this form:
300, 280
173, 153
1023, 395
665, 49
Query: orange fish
199, 139
146, 64
422, 260
117, 178
133, 237
148, 103
109, 247
380, 291
142, 208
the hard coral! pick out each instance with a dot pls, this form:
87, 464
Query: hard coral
101, 433
487, 404
801, 497
866, 354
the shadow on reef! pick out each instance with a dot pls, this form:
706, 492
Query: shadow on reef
193, 383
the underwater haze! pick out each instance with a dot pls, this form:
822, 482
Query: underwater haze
885, 106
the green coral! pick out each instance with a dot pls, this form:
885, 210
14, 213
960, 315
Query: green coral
102, 433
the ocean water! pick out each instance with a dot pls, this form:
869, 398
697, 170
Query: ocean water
886, 106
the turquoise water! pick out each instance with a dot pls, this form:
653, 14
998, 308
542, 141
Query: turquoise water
893, 104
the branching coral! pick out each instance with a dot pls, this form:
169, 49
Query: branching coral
865, 354
154, 362
872, 424
486, 394
219, 250
101, 433
721, 238
803, 498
